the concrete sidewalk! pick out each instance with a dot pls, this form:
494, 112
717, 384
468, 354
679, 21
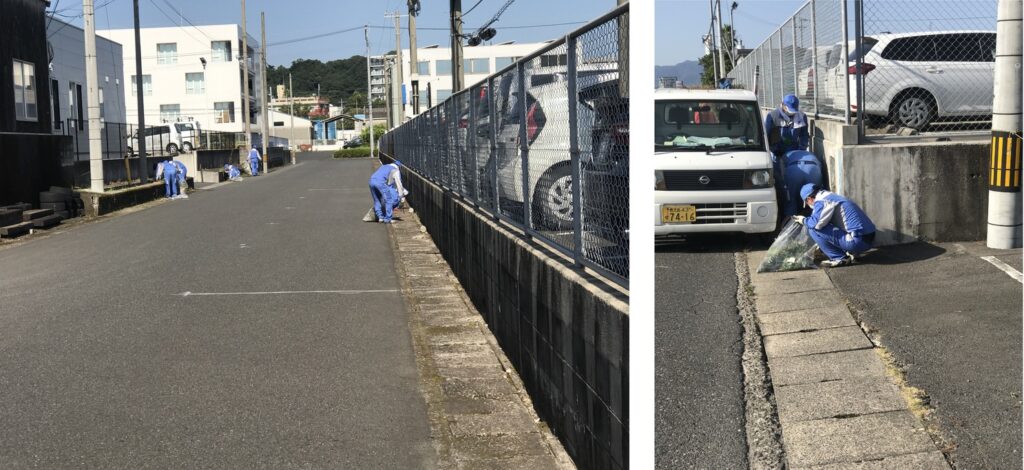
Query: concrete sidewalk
481, 415
838, 404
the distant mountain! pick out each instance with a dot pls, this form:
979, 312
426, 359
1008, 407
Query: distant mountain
688, 71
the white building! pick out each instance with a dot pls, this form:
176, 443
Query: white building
192, 74
378, 81
434, 68
68, 93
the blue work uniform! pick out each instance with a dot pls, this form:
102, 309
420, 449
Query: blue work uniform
385, 197
839, 226
233, 171
798, 167
254, 162
785, 132
170, 174
182, 174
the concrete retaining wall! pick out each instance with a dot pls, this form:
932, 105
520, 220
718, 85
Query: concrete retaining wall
913, 188
565, 334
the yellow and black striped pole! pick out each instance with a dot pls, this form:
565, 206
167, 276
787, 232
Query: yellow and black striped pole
1004, 182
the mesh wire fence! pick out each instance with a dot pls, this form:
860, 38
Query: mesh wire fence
543, 144
925, 65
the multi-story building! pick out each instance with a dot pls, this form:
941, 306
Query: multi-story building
434, 70
378, 79
192, 74
69, 100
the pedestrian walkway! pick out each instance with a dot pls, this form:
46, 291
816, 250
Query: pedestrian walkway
837, 402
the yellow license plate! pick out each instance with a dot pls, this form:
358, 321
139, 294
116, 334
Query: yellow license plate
678, 214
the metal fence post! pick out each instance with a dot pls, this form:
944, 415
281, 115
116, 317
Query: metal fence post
471, 146
574, 153
858, 24
524, 148
492, 170
846, 61
782, 67
792, 47
814, 58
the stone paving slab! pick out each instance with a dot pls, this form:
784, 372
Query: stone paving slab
845, 365
801, 320
772, 303
924, 461
788, 283
875, 436
837, 398
815, 342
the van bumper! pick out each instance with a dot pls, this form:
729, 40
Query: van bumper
745, 211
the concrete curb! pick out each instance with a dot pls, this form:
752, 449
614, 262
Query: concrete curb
837, 405
480, 413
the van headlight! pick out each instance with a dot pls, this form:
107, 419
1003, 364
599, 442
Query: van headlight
659, 181
756, 179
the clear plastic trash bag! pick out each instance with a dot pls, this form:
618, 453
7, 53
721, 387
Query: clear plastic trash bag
370, 216
793, 249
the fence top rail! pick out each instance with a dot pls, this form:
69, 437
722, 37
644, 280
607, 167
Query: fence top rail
554, 44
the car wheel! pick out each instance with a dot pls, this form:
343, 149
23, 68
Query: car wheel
914, 109
552, 201
187, 146
172, 149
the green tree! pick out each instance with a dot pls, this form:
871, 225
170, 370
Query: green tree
378, 130
356, 100
707, 76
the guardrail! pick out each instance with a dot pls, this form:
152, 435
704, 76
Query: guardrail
553, 161
927, 66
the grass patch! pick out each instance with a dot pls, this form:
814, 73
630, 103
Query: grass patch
916, 399
357, 152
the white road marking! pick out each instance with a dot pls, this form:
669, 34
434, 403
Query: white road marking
288, 208
1005, 267
286, 292
243, 245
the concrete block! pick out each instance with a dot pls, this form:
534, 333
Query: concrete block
33, 214
874, 436
845, 365
510, 422
836, 399
771, 303
815, 342
802, 320
15, 230
791, 282
47, 221
923, 461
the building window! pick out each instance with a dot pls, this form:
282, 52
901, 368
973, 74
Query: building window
167, 53
103, 109
195, 83
443, 67
476, 66
55, 101
502, 62
221, 51
170, 112
278, 123
147, 85
25, 107
224, 112
443, 95
423, 67
424, 98
553, 60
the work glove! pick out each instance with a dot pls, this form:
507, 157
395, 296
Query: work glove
799, 219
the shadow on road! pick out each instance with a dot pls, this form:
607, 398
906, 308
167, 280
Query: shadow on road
705, 243
900, 254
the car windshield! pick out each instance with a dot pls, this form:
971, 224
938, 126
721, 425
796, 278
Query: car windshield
707, 125
835, 55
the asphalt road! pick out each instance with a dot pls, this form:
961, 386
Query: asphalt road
954, 320
699, 411
104, 365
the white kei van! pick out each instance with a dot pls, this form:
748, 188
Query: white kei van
713, 170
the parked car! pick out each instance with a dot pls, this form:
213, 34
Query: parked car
171, 138
911, 79
353, 143
187, 135
713, 170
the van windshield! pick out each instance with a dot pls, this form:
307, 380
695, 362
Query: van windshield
686, 125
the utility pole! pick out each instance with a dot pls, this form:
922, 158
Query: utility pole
92, 84
263, 92
245, 89
291, 111
711, 39
397, 103
721, 42
369, 86
458, 75
1004, 186
414, 66
143, 170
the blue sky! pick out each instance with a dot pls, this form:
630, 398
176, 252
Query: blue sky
290, 19
679, 25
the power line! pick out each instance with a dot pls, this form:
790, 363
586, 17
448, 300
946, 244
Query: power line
315, 36
172, 20
472, 7
187, 20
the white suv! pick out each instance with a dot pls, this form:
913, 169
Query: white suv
713, 170
911, 79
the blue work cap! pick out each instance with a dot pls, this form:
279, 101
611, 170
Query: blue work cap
807, 191
398, 163
791, 102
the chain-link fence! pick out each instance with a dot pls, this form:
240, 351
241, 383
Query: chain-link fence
922, 65
542, 145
